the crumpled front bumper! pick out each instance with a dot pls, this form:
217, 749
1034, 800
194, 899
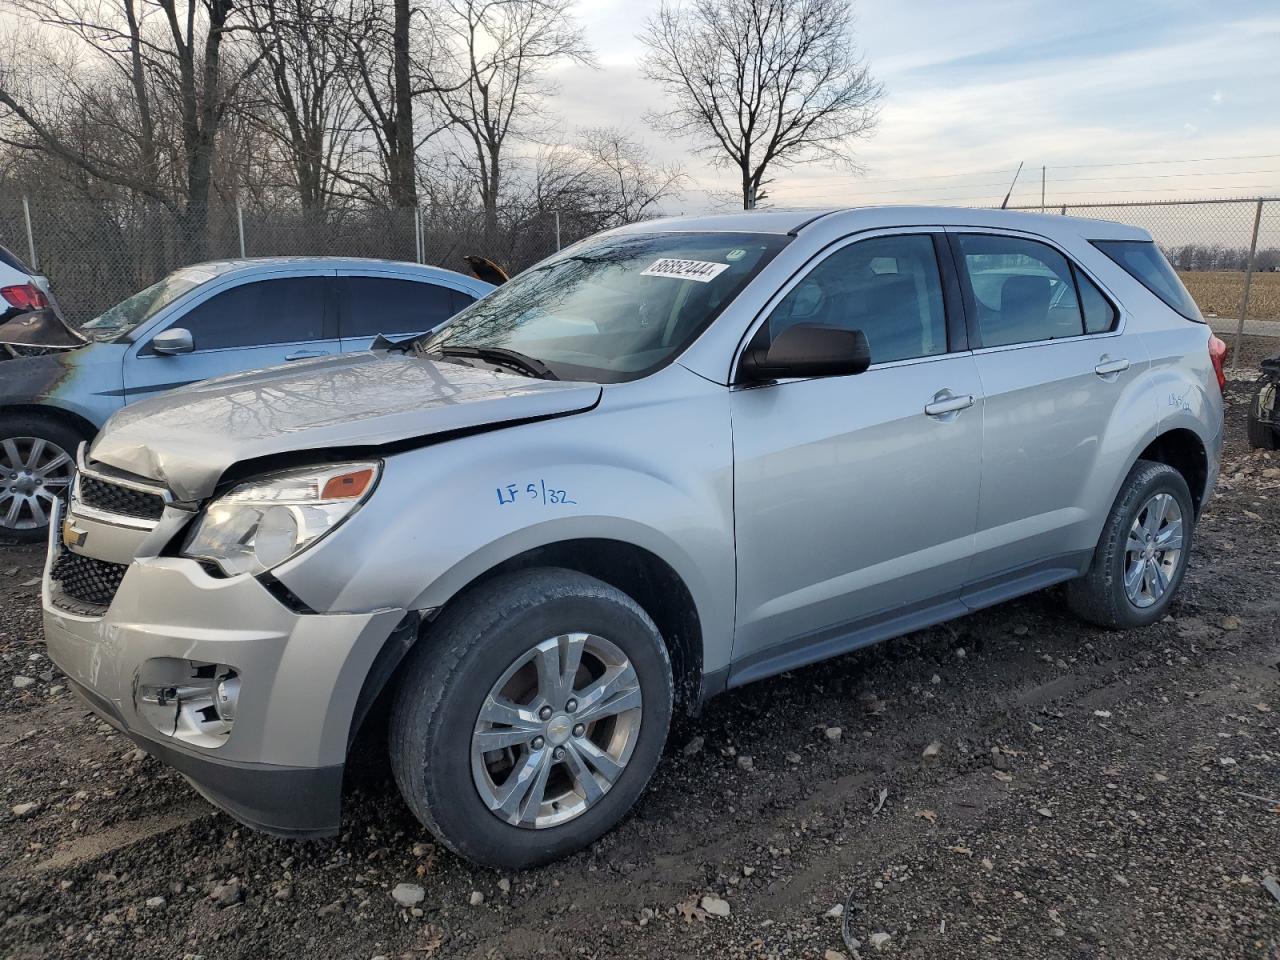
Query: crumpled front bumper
279, 768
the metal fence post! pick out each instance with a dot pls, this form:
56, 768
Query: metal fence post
240, 225
31, 237
557, 231
419, 253
1248, 281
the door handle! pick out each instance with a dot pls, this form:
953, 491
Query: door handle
945, 402
306, 354
1109, 368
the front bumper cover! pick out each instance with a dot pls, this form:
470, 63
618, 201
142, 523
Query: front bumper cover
296, 802
279, 769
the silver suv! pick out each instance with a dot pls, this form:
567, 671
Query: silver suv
673, 459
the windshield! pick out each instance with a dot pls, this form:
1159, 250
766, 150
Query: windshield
613, 308
144, 304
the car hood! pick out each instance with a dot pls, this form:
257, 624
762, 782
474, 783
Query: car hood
190, 437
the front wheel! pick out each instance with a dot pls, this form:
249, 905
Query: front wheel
37, 460
1141, 557
531, 716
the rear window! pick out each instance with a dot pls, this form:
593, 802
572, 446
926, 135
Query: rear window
1143, 261
11, 260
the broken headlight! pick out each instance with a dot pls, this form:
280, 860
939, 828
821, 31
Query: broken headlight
261, 524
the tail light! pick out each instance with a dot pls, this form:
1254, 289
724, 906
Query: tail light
25, 296
1218, 354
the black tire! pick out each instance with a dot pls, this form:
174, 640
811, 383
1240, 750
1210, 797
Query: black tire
449, 674
1261, 430
52, 431
1099, 596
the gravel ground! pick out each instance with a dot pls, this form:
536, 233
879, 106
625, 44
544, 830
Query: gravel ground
1013, 784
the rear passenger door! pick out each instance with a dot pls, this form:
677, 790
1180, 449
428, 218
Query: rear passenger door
1054, 362
260, 323
855, 497
392, 306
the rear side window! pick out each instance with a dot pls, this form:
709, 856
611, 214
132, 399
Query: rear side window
1143, 261
1021, 290
1099, 315
385, 305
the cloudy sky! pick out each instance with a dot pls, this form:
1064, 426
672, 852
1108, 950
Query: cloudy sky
972, 87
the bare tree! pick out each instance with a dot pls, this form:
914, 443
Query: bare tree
632, 184
603, 180
304, 102
761, 84
385, 57
173, 56
489, 76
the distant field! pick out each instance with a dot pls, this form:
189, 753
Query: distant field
1219, 291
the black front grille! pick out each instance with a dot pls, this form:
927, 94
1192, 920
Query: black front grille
90, 581
125, 501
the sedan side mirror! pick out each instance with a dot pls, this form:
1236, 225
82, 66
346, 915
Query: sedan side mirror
806, 350
171, 341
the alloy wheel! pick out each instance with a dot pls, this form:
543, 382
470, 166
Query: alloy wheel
34, 472
1153, 550
556, 731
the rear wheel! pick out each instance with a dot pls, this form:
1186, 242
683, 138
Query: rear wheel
531, 717
1141, 557
37, 460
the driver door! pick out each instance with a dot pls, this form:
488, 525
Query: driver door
260, 323
856, 497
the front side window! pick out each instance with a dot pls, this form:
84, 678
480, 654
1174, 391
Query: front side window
287, 310
613, 308
1020, 290
887, 287
1143, 261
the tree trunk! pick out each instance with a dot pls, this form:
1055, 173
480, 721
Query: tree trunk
403, 174
489, 196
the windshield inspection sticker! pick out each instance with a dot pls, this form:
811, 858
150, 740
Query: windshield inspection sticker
704, 271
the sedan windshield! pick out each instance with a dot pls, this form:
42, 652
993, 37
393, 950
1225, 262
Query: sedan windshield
612, 308
144, 304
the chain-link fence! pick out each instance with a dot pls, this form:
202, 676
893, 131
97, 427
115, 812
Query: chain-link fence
97, 254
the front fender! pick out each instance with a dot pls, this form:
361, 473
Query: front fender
651, 466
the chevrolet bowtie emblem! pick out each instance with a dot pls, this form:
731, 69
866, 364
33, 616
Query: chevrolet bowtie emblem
72, 535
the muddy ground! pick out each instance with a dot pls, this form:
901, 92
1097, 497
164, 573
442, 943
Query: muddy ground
1093, 795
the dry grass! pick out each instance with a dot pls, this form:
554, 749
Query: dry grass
1218, 292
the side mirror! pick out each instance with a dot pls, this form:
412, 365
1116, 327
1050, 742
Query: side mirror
806, 350
171, 341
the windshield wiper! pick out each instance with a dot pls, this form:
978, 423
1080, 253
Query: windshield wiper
503, 357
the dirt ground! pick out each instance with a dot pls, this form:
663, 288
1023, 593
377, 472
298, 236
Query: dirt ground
1093, 795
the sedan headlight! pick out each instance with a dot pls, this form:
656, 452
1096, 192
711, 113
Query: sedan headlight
261, 524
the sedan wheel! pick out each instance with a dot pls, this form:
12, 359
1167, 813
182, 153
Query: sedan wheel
34, 472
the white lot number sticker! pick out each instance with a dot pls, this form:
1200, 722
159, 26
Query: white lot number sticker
703, 271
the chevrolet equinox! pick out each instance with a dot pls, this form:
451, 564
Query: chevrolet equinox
670, 460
